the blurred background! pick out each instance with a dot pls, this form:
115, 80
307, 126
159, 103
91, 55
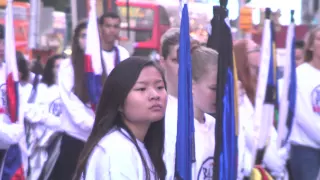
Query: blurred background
144, 21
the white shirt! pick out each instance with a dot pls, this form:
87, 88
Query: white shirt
44, 114
171, 120
76, 118
274, 159
109, 58
47, 107
204, 144
117, 158
306, 125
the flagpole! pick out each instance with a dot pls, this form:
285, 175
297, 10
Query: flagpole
261, 123
10, 48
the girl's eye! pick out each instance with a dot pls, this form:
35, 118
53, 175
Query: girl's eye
161, 87
141, 89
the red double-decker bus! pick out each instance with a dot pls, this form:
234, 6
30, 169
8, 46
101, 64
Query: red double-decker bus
147, 22
21, 15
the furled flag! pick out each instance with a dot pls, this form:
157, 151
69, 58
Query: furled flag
185, 150
288, 91
93, 65
225, 165
266, 92
13, 167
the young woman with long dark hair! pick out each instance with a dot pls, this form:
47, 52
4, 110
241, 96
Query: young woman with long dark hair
128, 134
76, 116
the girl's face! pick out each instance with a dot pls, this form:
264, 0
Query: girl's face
171, 66
315, 47
82, 39
146, 102
204, 91
253, 51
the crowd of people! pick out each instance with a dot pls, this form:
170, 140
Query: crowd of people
132, 132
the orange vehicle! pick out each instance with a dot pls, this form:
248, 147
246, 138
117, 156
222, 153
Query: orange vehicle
147, 22
21, 14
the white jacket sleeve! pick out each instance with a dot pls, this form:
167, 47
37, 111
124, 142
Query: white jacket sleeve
38, 112
80, 114
10, 133
102, 166
305, 118
274, 158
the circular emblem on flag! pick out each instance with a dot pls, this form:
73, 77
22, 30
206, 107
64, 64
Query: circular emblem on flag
206, 169
315, 98
55, 107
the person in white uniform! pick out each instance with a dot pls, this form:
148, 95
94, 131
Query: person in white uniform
169, 62
204, 64
112, 53
247, 56
11, 133
127, 139
77, 116
204, 85
44, 119
305, 138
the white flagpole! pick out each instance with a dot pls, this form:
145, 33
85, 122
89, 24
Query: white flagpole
261, 89
10, 47
34, 24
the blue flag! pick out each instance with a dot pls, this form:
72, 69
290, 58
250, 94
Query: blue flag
288, 90
185, 128
228, 156
226, 149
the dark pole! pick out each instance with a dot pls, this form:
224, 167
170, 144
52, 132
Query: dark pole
109, 6
105, 5
128, 18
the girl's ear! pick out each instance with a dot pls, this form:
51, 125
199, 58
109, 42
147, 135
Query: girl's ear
311, 48
194, 85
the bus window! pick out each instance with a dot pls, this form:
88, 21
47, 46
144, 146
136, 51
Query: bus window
139, 35
141, 22
164, 17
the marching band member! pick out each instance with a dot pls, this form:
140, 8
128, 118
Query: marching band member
10, 133
76, 116
204, 75
44, 116
25, 89
305, 139
169, 62
113, 54
127, 142
247, 55
204, 84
